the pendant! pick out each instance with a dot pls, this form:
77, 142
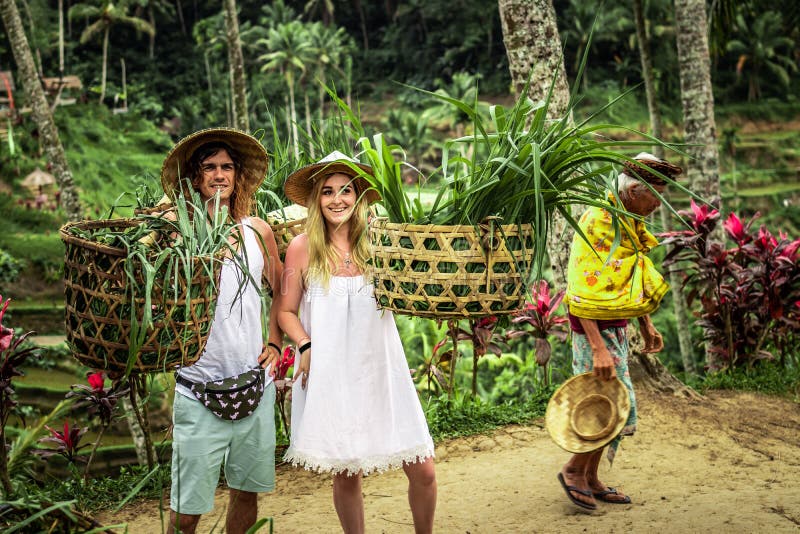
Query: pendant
347, 261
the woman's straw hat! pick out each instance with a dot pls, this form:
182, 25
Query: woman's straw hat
254, 157
299, 184
586, 413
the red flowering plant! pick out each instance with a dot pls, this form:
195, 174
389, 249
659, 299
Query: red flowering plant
283, 385
746, 292
100, 402
12, 356
67, 442
542, 322
484, 337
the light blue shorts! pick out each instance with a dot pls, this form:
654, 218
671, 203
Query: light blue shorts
201, 442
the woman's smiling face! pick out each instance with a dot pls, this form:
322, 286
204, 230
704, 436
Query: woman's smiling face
337, 198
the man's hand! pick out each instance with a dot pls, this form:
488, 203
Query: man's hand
304, 367
653, 342
603, 364
269, 357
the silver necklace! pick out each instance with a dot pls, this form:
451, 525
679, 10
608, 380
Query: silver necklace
346, 260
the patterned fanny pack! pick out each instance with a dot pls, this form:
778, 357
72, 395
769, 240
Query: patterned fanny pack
230, 398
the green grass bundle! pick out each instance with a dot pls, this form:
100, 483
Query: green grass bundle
140, 293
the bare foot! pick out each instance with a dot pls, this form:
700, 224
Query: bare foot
577, 489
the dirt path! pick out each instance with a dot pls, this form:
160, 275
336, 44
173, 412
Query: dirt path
730, 463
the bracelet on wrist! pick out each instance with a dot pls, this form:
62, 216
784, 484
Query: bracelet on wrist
274, 346
304, 347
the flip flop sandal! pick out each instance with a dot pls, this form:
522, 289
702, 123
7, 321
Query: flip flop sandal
603, 496
568, 489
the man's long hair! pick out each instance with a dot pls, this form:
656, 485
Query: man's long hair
244, 187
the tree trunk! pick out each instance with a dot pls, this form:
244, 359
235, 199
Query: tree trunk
697, 99
649, 373
151, 49
533, 47
104, 71
308, 123
293, 114
179, 9
236, 62
678, 302
137, 434
48, 133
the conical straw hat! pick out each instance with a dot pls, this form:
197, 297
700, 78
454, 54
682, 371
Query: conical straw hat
299, 184
254, 157
587, 413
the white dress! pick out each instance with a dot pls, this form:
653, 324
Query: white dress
359, 411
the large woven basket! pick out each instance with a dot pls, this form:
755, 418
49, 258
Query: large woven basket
98, 307
451, 271
287, 223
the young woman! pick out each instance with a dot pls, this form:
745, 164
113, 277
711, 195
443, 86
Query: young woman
354, 406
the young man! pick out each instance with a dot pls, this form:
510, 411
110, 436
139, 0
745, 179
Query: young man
226, 167
606, 287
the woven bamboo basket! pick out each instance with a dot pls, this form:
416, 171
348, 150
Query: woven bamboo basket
286, 224
451, 271
98, 306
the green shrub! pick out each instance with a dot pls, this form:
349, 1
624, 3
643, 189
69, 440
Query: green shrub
766, 377
9, 268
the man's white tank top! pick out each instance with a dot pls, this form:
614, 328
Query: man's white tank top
235, 340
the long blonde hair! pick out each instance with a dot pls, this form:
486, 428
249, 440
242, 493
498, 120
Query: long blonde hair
322, 255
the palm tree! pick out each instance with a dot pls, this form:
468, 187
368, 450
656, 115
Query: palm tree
583, 20
289, 51
678, 301
759, 47
40, 110
236, 68
106, 17
698, 108
330, 48
533, 47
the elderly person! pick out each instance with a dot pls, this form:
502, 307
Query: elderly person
606, 287
235, 425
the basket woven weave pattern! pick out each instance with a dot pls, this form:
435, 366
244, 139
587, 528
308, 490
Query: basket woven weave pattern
449, 271
98, 309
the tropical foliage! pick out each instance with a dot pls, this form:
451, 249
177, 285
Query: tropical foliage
748, 293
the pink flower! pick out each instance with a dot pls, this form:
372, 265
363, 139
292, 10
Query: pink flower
701, 214
766, 239
65, 438
96, 381
6, 334
790, 250
733, 225
286, 361
486, 322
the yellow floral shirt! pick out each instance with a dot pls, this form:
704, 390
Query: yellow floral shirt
622, 284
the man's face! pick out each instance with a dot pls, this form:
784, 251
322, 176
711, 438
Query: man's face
642, 201
217, 176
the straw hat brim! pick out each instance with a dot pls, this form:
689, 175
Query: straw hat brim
299, 184
254, 156
559, 410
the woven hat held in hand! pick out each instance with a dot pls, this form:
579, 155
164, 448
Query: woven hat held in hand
587, 413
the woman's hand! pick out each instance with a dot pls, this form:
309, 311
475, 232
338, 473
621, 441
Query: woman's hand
304, 367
